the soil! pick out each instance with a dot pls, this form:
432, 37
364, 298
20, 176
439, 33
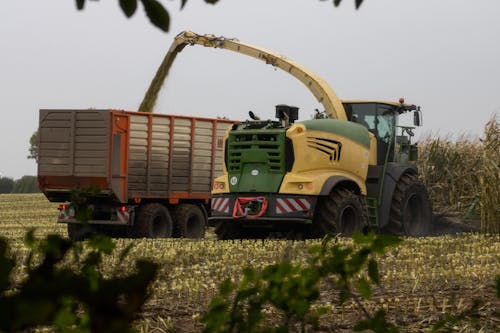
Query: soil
406, 315
451, 224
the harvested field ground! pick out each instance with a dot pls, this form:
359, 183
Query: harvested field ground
421, 280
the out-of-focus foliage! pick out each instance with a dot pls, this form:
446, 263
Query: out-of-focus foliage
6, 184
33, 149
292, 288
70, 297
158, 14
26, 184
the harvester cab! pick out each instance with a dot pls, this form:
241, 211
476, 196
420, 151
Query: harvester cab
381, 118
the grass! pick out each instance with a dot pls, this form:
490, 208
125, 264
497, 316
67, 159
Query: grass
421, 280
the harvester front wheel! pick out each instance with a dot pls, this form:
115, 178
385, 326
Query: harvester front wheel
153, 221
189, 221
342, 212
226, 230
411, 209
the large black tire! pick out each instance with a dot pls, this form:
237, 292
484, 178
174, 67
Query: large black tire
342, 212
226, 230
79, 232
411, 209
153, 221
190, 221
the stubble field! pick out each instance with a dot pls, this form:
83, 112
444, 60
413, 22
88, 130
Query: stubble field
421, 280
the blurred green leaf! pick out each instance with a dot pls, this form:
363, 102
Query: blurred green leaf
80, 4
157, 14
378, 324
364, 288
128, 7
498, 286
383, 241
226, 287
124, 253
102, 243
359, 238
29, 239
373, 271
358, 3
6, 265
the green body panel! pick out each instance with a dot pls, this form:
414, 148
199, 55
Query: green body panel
256, 160
353, 131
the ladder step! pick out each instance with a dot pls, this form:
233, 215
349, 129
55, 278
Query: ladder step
372, 206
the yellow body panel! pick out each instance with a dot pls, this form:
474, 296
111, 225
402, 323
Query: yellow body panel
311, 182
221, 184
373, 149
315, 166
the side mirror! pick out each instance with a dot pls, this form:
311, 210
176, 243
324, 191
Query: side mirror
417, 118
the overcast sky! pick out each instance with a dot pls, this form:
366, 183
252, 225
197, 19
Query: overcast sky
443, 55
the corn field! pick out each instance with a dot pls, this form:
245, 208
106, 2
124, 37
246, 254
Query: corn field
463, 176
421, 280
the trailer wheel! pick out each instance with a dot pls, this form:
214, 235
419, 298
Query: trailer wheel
79, 232
411, 209
228, 230
341, 212
190, 221
153, 221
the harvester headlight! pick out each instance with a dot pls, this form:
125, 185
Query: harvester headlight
307, 186
218, 186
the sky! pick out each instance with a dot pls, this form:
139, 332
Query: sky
442, 55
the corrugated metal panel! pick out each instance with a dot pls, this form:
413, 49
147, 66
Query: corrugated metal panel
181, 155
91, 138
74, 143
159, 156
201, 163
166, 154
137, 156
55, 142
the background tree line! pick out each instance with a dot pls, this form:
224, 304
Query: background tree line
26, 184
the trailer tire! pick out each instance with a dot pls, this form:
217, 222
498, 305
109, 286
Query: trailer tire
153, 221
190, 221
79, 232
411, 209
341, 212
226, 230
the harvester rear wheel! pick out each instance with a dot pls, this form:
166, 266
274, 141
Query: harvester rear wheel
342, 212
411, 209
189, 221
153, 221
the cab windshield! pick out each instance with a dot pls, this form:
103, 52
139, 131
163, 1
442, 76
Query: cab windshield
378, 118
